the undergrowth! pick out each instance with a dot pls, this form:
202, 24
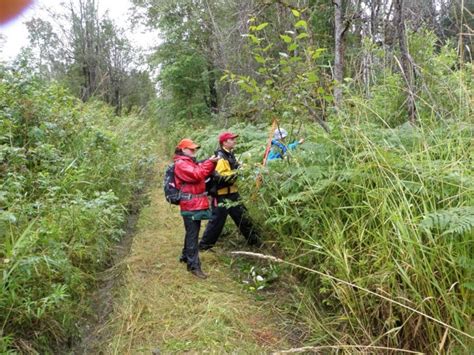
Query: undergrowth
387, 209
67, 173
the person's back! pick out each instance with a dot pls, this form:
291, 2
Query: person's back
190, 181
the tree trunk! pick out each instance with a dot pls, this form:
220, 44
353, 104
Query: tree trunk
406, 61
213, 99
338, 52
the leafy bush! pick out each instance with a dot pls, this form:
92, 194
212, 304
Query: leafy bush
67, 173
443, 90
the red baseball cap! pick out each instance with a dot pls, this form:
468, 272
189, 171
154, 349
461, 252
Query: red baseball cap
187, 143
226, 135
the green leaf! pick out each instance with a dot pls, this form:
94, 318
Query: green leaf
301, 23
296, 13
285, 38
292, 47
317, 53
312, 77
453, 221
254, 39
246, 87
261, 26
469, 285
259, 58
302, 35
267, 47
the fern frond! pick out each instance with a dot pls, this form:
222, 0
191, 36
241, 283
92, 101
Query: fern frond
453, 221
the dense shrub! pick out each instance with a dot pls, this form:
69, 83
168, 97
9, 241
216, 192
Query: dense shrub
67, 173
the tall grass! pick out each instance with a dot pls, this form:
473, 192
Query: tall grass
67, 173
389, 210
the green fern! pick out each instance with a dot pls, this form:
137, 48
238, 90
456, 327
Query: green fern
469, 285
453, 221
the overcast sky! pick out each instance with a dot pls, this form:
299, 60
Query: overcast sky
17, 34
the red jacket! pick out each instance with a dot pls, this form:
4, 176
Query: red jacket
190, 178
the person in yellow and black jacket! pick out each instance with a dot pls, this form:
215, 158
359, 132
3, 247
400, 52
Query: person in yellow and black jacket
226, 176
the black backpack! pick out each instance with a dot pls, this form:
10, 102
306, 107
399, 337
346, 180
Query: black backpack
172, 193
212, 181
211, 185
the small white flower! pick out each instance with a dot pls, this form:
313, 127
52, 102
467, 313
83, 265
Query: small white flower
259, 278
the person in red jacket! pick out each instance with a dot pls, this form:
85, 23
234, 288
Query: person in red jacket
194, 205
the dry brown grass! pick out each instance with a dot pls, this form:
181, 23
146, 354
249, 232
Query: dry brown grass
162, 306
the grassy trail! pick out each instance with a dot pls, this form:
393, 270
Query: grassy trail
161, 306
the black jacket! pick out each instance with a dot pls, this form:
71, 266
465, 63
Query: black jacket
226, 181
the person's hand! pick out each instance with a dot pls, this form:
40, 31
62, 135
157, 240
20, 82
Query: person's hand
214, 158
301, 141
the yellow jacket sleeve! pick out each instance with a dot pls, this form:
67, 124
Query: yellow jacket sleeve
227, 176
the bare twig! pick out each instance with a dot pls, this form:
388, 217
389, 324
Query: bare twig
315, 116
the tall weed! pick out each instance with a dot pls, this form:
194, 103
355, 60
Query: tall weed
389, 210
67, 174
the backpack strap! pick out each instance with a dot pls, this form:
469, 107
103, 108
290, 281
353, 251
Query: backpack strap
187, 196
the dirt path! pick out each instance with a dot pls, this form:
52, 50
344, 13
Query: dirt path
162, 308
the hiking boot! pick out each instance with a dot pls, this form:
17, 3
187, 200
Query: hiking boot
255, 242
199, 273
183, 259
206, 248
